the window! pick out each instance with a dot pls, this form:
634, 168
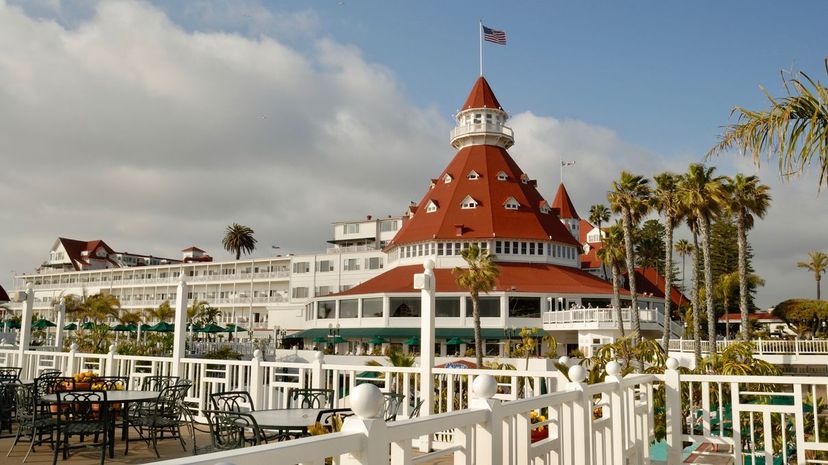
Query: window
450, 248
447, 307
439, 248
522, 248
531, 248
473, 176
323, 291
373, 263
524, 307
404, 307
301, 267
324, 266
511, 204
431, 207
498, 247
372, 308
501, 176
298, 293
544, 207
351, 228
447, 178
348, 308
351, 264
489, 307
507, 247
468, 202
326, 309
388, 225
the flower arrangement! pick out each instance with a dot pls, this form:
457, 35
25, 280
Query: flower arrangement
541, 431
85, 376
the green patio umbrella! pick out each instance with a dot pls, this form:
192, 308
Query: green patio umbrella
320, 339
13, 324
212, 329
413, 341
162, 327
193, 327
231, 328
455, 341
337, 340
88, 325
132, 327
120, 328
71, 327
43, 324
146, 327
377, 340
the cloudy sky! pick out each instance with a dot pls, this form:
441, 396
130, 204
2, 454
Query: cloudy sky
154, 125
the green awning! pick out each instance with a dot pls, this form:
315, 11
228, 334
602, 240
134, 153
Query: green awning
71, 327
401, 333
121, 328
43, 324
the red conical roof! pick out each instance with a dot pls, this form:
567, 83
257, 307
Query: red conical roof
491, 218
564, 204
481, 96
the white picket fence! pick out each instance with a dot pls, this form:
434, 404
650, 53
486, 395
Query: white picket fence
760, 346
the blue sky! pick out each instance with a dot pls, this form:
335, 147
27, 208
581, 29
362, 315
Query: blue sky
154, 125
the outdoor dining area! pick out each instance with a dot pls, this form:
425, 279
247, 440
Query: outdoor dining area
92, 419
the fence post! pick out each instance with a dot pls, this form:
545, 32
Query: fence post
317, 375
796, 346
673, 412
617, 409
70, 362
256, 378
581, 452
488, 436
366, 402
110, 361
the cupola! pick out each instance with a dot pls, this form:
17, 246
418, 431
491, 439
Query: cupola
481, 120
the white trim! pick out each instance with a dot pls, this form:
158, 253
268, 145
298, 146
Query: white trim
511, 204
431, 206
469, 203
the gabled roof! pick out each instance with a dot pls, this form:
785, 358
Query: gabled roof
4, 297
490, 219
648, 280
590, 259
564, 204
481, 96
74, 250
192, 249
517, 277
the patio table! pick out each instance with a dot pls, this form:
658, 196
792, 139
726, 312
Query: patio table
290, 419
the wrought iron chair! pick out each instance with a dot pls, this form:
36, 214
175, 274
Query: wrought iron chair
310, 398
166, 414
331, 419
50, 372
234, 401
416, 411
110, 383
158, 382
7, 403
232, 430
391, 405
32, 421
10, 373
81, 413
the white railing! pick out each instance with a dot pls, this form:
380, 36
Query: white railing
760, 346
162, 280
351, 248
481, 128
605, 318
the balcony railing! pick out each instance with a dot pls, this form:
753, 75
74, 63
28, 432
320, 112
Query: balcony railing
606, 318
482, 128
170, 280
760, 346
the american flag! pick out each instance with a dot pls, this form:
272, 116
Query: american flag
492, 35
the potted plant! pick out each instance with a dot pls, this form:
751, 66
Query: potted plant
540, 432
83, 380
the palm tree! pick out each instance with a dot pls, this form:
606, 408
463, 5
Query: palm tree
630, 197
818, 263
238, 239
598, 215
694, 284
703, 194
794, 129
724, 287
612, 254
479, 276
746, 198
683, 248
163, 313
667, 201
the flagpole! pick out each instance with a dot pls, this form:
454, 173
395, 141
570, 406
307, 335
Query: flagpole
562, 167
481, 47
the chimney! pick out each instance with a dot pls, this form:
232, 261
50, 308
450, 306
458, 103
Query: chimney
369, 217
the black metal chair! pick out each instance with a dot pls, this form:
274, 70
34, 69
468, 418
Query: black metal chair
166, 414
232, 430
50, 372
158, 382
331, 419
391, 405
10, 373
110, 383
310, 398
7, 404
416, 411
32, 420
81, 413
51, 384
233, 401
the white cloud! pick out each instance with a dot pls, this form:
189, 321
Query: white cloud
127, 127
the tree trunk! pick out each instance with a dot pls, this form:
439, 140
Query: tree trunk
668, 279
616, 298
727, 316
478, 338
818, 278
694, 298
238, 254
708, 284
601, 240
743, 278
628, 246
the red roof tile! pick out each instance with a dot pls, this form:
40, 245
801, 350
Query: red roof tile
585, 227
590, 259
481, 96
564, 204
649, 281
491, 218
518, 277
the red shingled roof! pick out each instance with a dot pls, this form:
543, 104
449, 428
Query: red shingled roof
481, 96
490, 218
590, 259
4, 297
518, 277
649, 281
564, 204
75, 249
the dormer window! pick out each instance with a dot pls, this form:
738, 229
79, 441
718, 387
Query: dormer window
431, 207
447, 178
544, 207
433, 184
473, 176
501, 176
524, 178
511, 204
469, 202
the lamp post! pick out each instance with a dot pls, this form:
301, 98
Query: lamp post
333, 335
281, 333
